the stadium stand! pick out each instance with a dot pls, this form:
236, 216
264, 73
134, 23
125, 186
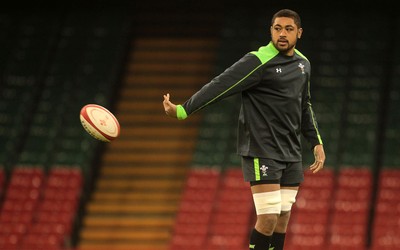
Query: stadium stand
311, 213
29, 39
152, 149
57, 210
21, 199
55, 62
193, 217
386, 223
2, 182
232, 213
39, 209
215, 211
350, 210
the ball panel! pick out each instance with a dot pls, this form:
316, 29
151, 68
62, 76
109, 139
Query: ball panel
92, 130
99, 122
103, 120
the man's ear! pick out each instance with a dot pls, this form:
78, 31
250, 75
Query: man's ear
299, 33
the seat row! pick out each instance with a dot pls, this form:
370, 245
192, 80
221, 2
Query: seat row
215, 211
334, 210
39, 208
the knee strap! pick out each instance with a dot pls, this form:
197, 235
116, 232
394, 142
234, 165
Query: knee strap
288, 198
268, 202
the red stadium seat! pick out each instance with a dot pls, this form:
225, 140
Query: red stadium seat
226, 242
190, 229
10, 241
304, 217
341, 217
199, 194
385, 237
229, 229
310, 228
305, 242
230, 194
320, 180
386, 224
193, 217
347, 241
2, 181
355, 178
231, 218
195, 241
353, 194
352, 206
316, 206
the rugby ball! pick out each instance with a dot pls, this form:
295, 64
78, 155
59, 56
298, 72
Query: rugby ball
99, 122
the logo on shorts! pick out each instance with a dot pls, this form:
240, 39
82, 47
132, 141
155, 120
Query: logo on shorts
264, 169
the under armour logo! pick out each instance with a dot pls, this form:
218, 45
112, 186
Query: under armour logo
278, 70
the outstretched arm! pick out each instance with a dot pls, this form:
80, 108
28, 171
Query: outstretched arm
242, 75
169, 107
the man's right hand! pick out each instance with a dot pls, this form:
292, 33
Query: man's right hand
169, 107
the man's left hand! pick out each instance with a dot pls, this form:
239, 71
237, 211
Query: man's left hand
319, 155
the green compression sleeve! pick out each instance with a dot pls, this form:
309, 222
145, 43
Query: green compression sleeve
180, 113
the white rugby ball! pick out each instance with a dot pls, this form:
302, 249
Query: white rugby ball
99, 122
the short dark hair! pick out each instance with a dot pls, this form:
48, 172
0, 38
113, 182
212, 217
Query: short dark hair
287, 13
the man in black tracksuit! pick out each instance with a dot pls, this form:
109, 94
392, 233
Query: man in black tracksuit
274, 83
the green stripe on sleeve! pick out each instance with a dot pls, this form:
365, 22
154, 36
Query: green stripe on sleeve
319, 139
180, 112
315, 125
264, 54
234, 85
257, 168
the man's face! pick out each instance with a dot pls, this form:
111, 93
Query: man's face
284, 34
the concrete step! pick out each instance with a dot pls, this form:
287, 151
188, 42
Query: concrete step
125, 234
139, 184
94, 221
132, 208
127, 171
117, 245
159, 158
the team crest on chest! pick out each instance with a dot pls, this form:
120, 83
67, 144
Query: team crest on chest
301, 66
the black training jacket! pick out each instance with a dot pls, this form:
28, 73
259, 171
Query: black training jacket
275, 106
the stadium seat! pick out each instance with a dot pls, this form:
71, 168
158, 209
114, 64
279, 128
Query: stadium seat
304, 242
350, 209
20, 203
182, 241
386, 223
194, 212
55, 211
226, 242
2, 181
232, 213
308, 227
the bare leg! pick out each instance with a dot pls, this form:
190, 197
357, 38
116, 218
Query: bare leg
282, 222
279, 235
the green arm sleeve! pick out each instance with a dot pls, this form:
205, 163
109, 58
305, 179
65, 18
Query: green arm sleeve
180, 112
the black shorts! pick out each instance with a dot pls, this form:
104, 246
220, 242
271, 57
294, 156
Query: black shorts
272, 171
